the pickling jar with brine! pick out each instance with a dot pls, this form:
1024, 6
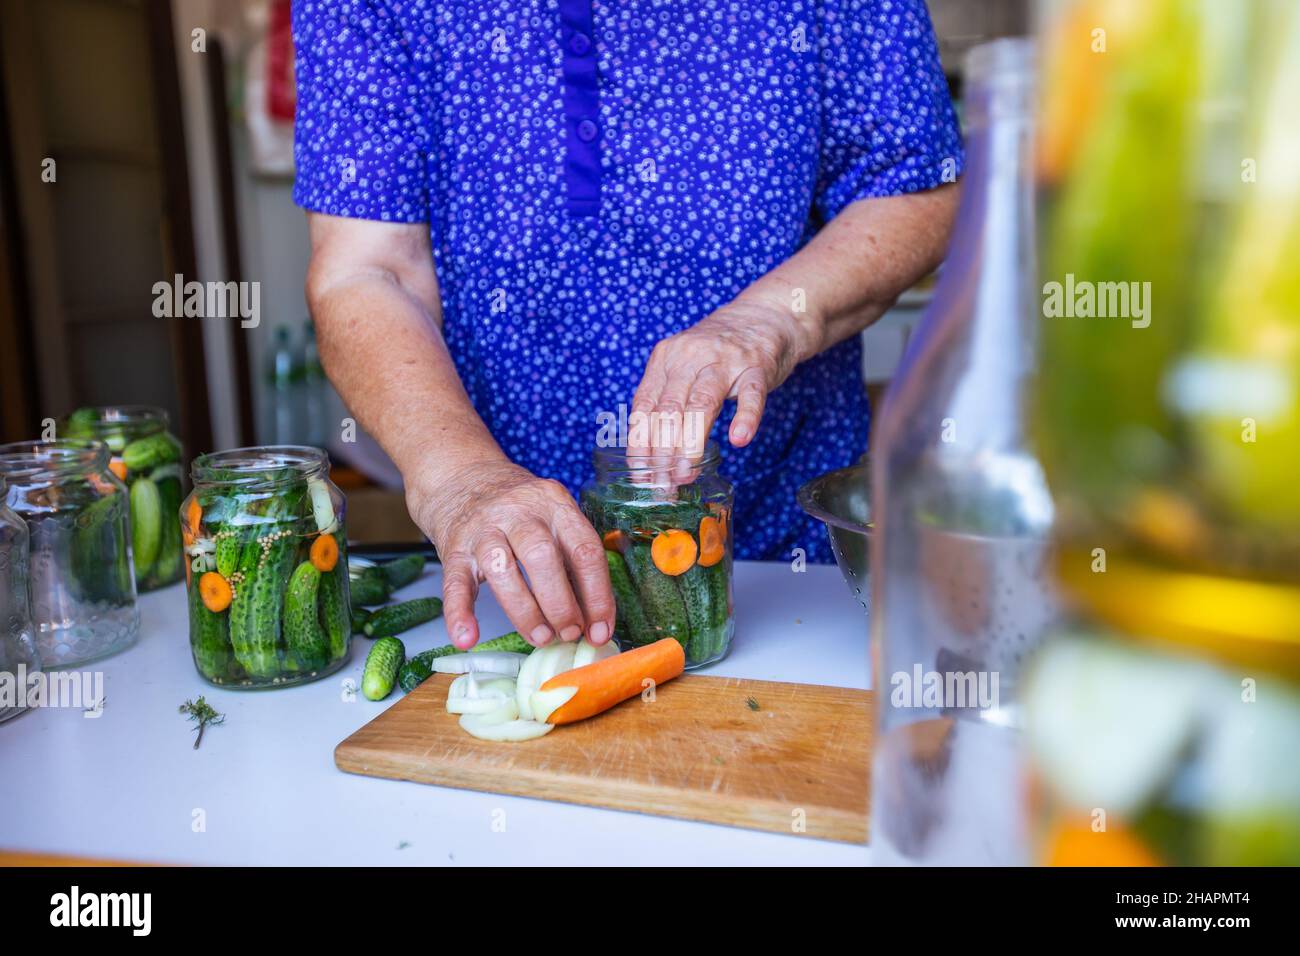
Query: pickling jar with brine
147, 458
266, 567
18, 657
79, 553
666, 527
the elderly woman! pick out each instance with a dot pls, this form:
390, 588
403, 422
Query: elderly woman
525, 215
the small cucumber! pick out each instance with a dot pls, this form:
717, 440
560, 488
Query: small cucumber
228, 548
335, 614
412, 674
151, 451
403, 571
382, 663
146, 525
303, 637
359, 617
397, 618
168, 567
512, 643
370, 587
665, 611
697, 596
209, 641
630, 624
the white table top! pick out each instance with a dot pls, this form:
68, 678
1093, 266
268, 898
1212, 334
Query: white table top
128, 785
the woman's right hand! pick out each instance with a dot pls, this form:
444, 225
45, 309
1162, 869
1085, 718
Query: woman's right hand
487, 519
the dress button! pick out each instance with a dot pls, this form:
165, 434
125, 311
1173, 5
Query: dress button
586, 131
579, 43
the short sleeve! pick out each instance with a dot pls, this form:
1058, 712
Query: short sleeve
888, 125
360, 134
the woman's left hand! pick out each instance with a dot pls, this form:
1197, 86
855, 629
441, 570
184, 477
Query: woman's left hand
742, 351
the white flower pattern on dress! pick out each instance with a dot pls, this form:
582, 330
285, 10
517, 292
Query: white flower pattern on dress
726, 133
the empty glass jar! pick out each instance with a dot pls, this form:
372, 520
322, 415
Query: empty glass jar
18, 657
147, 457
81, 588
669, 550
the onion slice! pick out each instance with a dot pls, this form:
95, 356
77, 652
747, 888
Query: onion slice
506, 709
543, 703
502, 663
511, 731
589, 653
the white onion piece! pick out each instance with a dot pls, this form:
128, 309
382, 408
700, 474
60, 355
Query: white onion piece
503, 663
512, 731
543, 664
526, 684
543, 703
589, 653
322, 507
483, 705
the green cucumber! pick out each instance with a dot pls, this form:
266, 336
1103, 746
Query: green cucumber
146, 525
661, 601
697, 596
335, 614
412, 674
168, 567
397, 618
209, 641
359, 617
428, 657
719, 578
382, 664
304, 640
151, 451
228, 548
630, 623
265, 564
403, 571
512, 643
370, 587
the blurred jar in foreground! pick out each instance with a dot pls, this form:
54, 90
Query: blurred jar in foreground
80, 584
1169, 423
18, 657
147, 457
269, 596
961, 577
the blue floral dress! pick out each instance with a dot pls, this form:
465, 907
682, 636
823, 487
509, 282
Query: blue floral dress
599, 176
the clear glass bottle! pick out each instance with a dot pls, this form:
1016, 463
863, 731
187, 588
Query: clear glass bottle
669, 550
961, 580
80, 582
18, 656
147, 457
1164, 721
266, 542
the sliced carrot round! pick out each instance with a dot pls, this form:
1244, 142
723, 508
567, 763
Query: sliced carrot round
673, 552
324, 553
713, 543
614, 540
1077, 844
215, 592
118, 467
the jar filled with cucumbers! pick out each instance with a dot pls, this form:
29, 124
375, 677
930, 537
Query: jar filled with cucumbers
147, 458
18, 657
666, 526
266, 567
79, 553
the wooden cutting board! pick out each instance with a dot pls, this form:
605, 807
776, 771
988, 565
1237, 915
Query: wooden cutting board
798, 764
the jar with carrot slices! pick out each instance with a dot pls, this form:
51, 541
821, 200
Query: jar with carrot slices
666, 525
266, 567
79, 551
147, 458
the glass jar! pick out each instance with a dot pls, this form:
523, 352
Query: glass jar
669, 550
960, 565
80, 583
267, 567
18, 657
1164, 723
147, 457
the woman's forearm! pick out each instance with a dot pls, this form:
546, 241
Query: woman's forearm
854, 269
